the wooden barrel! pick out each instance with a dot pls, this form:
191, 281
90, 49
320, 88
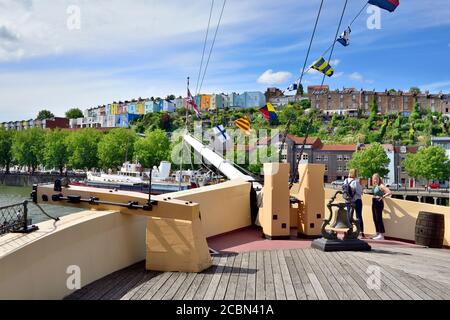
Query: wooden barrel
430, 229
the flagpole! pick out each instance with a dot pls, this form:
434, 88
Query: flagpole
187, 129
187, 109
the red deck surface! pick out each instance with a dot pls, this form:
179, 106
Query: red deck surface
250, 239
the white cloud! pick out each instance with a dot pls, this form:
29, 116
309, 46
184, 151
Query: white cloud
436, 86
271, 78
335, 62
356, 76
338, 74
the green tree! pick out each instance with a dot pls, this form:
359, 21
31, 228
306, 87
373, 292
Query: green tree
74, 113
415, 114
27, 148
429, 163
82, 147
152, 149
6, 139
45, 114
263, 155
55, 150
415, 90
116, 147
371, 160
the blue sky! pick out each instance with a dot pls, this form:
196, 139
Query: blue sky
143, 48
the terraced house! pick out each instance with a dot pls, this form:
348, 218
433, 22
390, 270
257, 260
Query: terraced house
352, 101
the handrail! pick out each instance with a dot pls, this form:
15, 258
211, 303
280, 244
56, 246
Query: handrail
14, 219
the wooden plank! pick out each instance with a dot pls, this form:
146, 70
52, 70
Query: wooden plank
260, 280
417, 265
348, 292
388, 291
166, 287
250, 292
156, 286
124, 287
242, 278
179, 295
280, 292
148, 275
310, 273
306, 282
105, 285
403, 281
324, 265
354, 276
194, 287
170, 294
212, 289
223, 283
147, 286
442, 291
400, 280
268, 277
285, 274
317, 271
201, 291
232, 282
300, 292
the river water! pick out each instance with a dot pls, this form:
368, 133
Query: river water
16, 195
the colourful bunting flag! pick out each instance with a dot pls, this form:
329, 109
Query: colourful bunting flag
344, 39
323, 66
221, 133
269, 112
244, 124
389, 5
191, 102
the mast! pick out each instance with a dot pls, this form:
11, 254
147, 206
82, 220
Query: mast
182, 147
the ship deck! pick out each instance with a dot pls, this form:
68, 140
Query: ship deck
247, 267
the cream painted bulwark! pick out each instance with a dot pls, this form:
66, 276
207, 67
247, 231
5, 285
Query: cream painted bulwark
100, 243
224, 207
399, 216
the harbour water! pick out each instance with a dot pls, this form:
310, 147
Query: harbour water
16, 195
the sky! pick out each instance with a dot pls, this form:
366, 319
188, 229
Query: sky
59, 54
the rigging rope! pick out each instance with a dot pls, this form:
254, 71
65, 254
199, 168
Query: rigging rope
204, 47
311, 42
332, 45
311, 121
336, 37
286, 131
212, 45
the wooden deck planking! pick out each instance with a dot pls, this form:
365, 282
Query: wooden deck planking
268, 277
214, 284
233, 281
223, 283
242, 278
297, 284
286, 276
260, 277
346, 291
209, 274
295, 274
250, 292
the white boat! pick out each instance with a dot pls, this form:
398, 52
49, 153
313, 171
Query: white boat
132, 177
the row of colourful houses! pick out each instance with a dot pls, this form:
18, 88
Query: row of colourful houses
120, 114
41, 124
